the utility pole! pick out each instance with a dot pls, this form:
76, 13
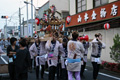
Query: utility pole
32, 16
23, 26
20, 21
27, 19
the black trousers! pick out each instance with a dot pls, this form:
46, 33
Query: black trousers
64, 74
31, 61
42, 71
22, 76
37, 71
11, 69
59, 71
82, 69
95, 69
52, 71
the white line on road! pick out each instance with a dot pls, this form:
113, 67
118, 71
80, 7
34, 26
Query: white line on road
109, 76
4, 60
106, 75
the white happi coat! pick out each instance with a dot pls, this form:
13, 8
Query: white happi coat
33, 51
95, 52
86, 46
75, 47
62, 56
54, 60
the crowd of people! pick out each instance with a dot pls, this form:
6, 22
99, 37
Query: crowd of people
65, 57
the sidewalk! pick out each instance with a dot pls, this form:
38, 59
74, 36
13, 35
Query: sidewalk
111, 73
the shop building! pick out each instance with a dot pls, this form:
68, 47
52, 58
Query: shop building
89, 16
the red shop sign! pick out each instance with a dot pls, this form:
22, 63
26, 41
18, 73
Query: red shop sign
108, 11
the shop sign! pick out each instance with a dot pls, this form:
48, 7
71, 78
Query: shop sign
101, 13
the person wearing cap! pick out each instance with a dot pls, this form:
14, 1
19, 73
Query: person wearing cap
22, 62
75, 53
97, 46
53, 49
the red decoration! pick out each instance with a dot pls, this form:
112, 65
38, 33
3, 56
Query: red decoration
41, 29
61, 27
37, 21
48, 28
53, 9
107, 26
68, 19
45, 17
35, 32
86, 38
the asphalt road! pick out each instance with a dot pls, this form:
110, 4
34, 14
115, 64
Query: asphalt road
87, 74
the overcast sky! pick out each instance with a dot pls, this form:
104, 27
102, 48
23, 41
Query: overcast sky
11, 7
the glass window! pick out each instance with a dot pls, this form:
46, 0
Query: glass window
104, 1
83, 2
83, 8
79, 9
81, 5
99, 2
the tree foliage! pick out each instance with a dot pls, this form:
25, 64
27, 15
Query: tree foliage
115, 49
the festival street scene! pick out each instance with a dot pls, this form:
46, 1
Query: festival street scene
59, 39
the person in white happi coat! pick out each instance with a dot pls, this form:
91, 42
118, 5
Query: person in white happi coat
37, 49
53, 50
63, 57
97, 46
86, 46
75, 54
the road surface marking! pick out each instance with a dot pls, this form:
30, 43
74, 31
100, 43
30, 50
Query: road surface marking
106, 75
4, 60
109, 76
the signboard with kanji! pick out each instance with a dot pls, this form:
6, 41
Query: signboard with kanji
105, 12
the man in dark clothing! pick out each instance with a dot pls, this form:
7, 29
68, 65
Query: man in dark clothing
22, 62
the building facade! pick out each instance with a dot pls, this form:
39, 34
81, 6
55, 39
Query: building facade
9, 31
27, 30
89, 16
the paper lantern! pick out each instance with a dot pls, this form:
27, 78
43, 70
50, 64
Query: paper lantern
37, 21
68, 19
107, 26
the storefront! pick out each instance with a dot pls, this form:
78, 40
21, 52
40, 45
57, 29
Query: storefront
92, 21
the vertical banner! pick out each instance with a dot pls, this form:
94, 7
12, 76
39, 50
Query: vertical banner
29, 29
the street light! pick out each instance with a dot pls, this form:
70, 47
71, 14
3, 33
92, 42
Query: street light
31, 12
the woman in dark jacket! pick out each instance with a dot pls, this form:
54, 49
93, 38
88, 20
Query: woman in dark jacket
11, 53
